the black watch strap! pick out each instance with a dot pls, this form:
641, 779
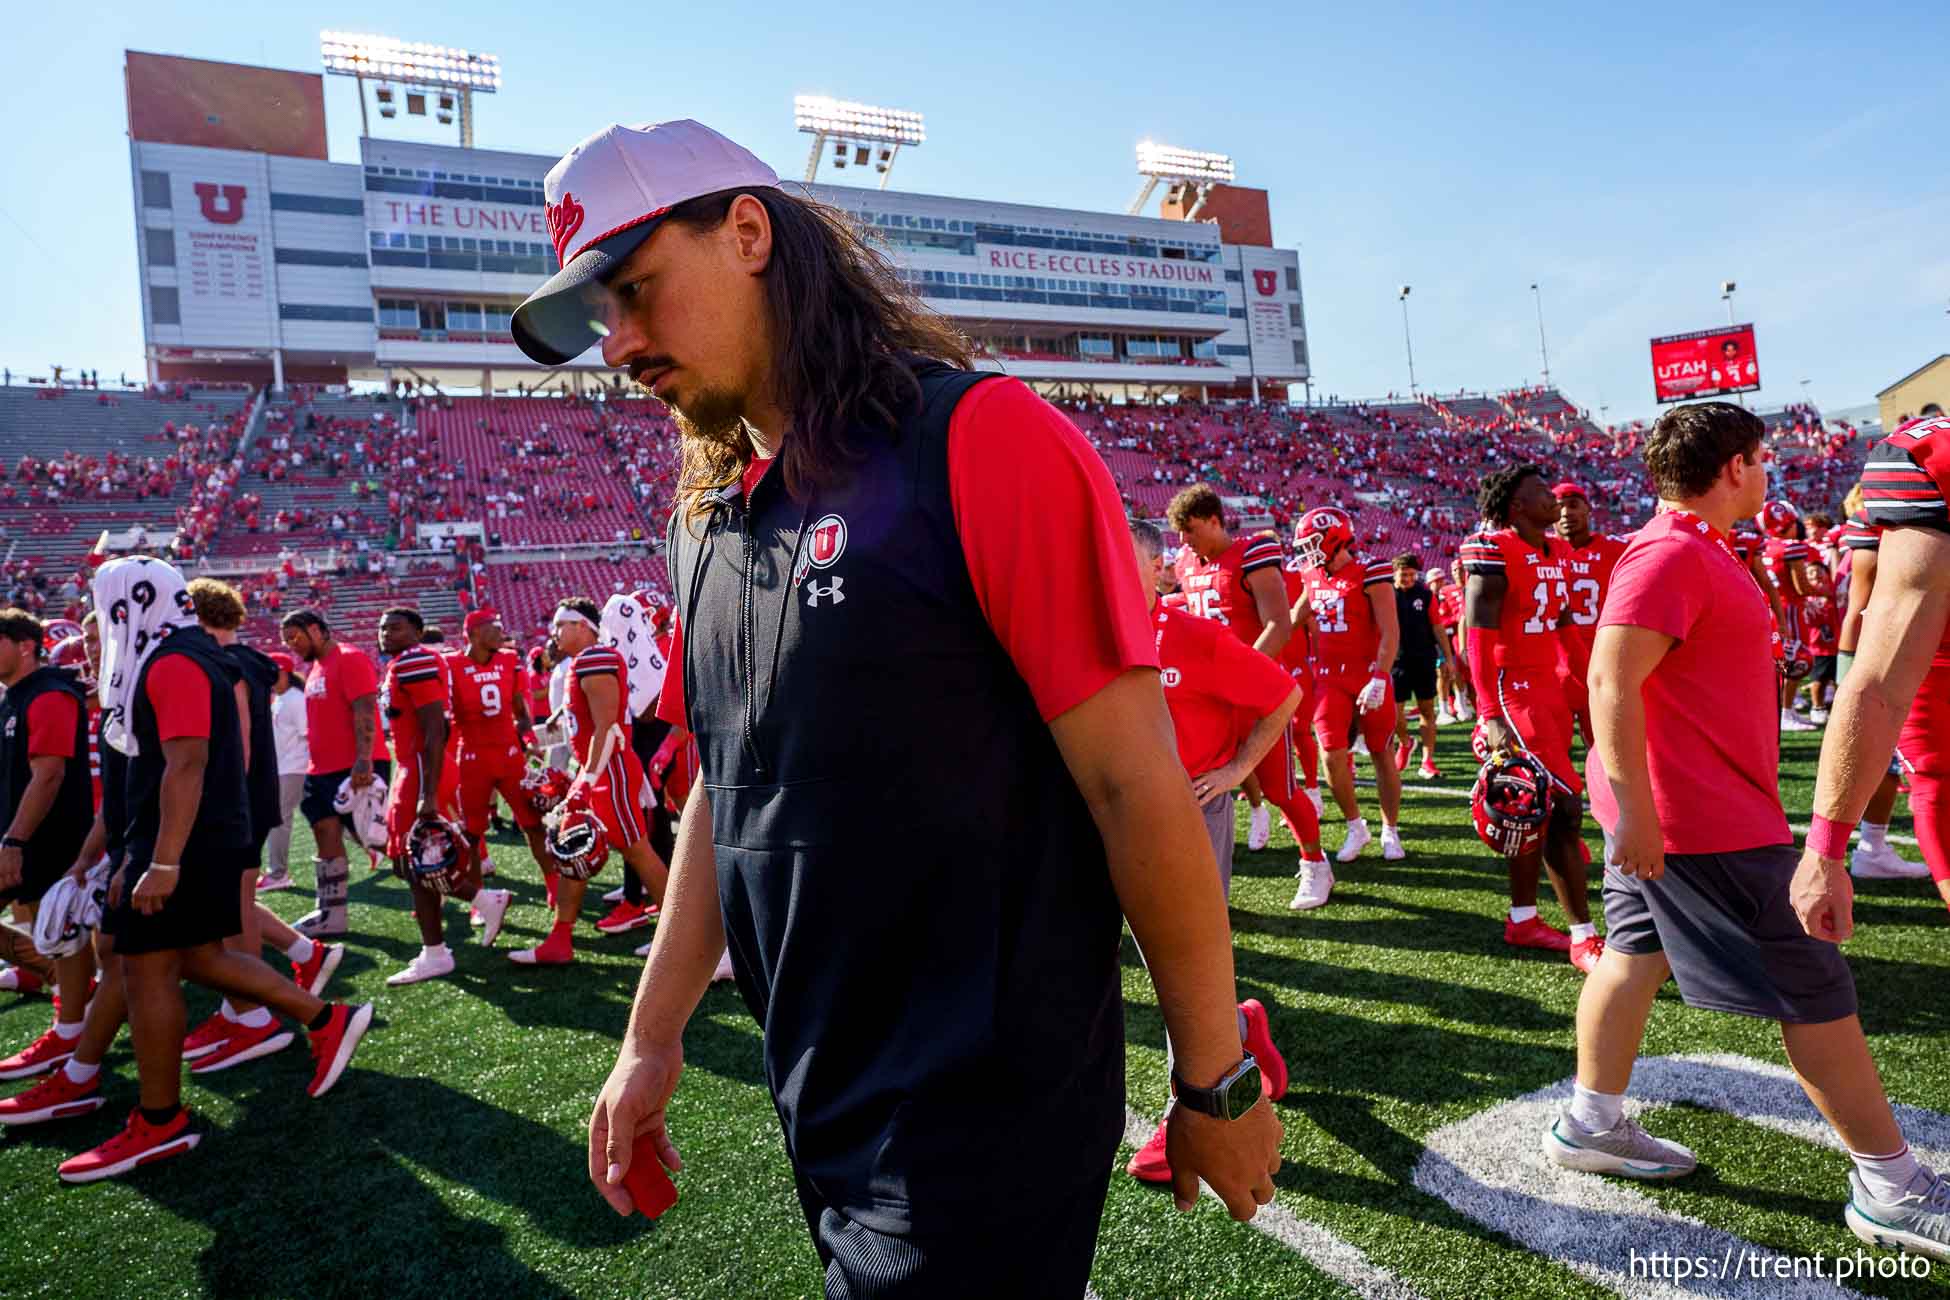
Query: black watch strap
1228, 1099
12, 842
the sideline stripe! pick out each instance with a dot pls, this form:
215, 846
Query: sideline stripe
1318, 1246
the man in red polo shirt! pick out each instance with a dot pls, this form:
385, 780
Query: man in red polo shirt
347, 746
1701, 880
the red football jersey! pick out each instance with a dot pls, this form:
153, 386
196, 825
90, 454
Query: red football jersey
1449, 606
414, 679
1590, 566
596, 661
484, 700
1536, 599
1777, 556
1346, 637
1216, 588
1906, 484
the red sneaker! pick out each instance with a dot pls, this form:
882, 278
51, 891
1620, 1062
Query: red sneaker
207, 1037
1429, 772
1402, 754
1586, 952
55, 1097
312, 975
141, 1143
556, 950
1535, 934
1259, 1041
18, 979
1149, 1165
332, 1046
39, 1056
244, 1044
626, 916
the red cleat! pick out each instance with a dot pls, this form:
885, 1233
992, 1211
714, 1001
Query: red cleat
55, 1097
39, 1056
332, 1046
1150, 1165
18, 979
244, 1044
1586, 952
556, 950
141, 1143
1402, 752
626, 916
312, 975
1535, 934
1259, 1041
207, 1037
1429, 772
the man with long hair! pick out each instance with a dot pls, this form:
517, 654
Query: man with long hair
872, 610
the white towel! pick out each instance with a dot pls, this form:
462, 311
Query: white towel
141, 601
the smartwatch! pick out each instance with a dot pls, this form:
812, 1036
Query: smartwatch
1229, 1099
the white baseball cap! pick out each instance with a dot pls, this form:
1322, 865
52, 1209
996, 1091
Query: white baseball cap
606, 196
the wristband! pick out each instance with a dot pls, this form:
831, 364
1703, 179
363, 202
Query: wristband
12, 842
1829, 839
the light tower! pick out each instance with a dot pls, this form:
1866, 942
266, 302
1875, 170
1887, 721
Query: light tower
449, 75
860, 133
1186, 168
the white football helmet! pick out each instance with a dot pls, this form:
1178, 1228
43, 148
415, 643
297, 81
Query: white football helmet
364, 811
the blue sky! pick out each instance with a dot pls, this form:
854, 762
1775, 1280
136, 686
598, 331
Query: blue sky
1627, 159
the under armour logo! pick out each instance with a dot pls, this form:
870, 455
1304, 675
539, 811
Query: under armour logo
815, 593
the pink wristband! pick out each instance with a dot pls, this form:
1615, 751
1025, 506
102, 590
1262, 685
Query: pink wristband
1829, 839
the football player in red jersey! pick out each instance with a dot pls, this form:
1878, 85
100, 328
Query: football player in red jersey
598, 704
1519, 626
1352, 601
1592, 558
1790, 567
491, 700
1897, 692
1239, 583
1451, 682
415, 698
1297, 656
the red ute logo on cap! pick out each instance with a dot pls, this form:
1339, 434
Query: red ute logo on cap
1267, 282
564, 219
227, 213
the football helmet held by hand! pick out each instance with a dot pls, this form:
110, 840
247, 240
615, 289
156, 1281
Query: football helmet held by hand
1511, 803
436, 855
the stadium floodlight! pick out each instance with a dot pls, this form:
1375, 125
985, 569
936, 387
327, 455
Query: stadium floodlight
412, 63
1195, 169
860, 126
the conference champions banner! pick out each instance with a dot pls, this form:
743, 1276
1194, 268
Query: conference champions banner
1705, 363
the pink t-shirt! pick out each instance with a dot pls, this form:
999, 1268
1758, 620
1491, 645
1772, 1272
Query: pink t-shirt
1712, 707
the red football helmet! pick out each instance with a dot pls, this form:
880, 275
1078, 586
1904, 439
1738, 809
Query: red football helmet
544, 788
1510, 803
575, 839
72, 654
436, 855
1779, 519
57, 630
1322, 533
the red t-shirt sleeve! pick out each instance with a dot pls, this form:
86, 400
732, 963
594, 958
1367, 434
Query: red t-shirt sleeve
356, 676
670, 702
1047, 547
1661, 585
1247, 679
180, 694
50, 726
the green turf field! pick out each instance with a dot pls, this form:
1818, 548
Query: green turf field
450, 1159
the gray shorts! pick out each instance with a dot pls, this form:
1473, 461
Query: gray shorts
1220, 829
1724, 923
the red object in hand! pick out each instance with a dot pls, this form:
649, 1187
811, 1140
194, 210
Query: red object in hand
648, 1184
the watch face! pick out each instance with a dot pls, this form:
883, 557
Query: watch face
1242, 1090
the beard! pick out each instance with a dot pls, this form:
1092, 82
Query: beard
716, 420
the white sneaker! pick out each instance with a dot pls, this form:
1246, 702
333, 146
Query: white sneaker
614, 896
1882, 862
1792, 721
1261, 829
426, 966
1624, 1149
1919, 1222
1360, 745
1444, 718
723, 972
1465, 712
644, 951
1358, 838
1315, 883
1391, 844
272, 881
1313, 797
491, 906
1818, 716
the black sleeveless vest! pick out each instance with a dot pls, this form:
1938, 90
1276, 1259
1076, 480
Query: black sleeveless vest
221, 834
916, 898
260, 674
65, 828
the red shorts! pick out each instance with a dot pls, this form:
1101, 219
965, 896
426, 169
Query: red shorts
1334, 713
482, 775
403, 801
619, 795
1578, 697
1923, 748
1534, 706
